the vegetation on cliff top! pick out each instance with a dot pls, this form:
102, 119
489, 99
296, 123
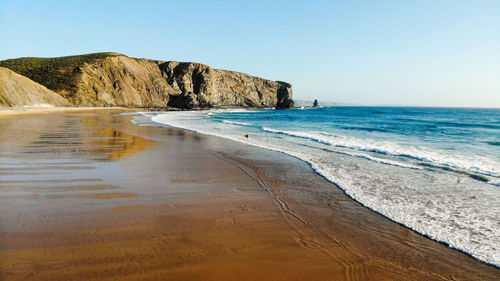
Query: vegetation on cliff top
115, 79
57, 74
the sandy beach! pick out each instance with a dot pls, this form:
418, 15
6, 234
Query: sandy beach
87, 195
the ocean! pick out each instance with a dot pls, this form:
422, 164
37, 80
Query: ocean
434, 170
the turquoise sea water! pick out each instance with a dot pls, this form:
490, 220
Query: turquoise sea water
434, 170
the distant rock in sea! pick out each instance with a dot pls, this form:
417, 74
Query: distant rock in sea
302, 103
112, 79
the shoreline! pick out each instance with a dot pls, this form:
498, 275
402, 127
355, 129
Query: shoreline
317, 170
11, 112
311, 166
221, 208
8, 112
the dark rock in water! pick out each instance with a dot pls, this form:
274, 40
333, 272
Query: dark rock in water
184, 101
284, 96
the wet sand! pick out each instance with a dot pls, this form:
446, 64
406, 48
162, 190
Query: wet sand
86, 195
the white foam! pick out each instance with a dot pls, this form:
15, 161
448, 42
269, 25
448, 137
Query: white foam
131, 113
39, 105
447, 207
470, 163
236, 123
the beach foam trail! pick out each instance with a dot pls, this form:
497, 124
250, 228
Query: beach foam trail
446, 191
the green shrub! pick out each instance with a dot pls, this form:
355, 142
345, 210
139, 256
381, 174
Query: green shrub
58, 74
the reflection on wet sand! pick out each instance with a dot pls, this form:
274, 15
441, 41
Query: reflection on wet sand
111, 195
129, 207
64, 157
173, 132
72, 134
108, 141
88, 196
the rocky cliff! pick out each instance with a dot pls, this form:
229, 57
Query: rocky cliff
111, 79
17, 90
198, 85
120, 80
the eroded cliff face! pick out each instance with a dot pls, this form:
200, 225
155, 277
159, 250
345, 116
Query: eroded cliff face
17, 90
198, 85
120, 80
110, 79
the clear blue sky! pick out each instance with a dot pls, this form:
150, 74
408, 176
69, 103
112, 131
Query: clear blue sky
435, 53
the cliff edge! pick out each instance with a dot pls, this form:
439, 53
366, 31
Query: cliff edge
112, 79
199, 85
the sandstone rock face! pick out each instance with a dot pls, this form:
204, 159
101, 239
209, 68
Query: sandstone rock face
111, 79
120, 80
17, 90
200, 86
